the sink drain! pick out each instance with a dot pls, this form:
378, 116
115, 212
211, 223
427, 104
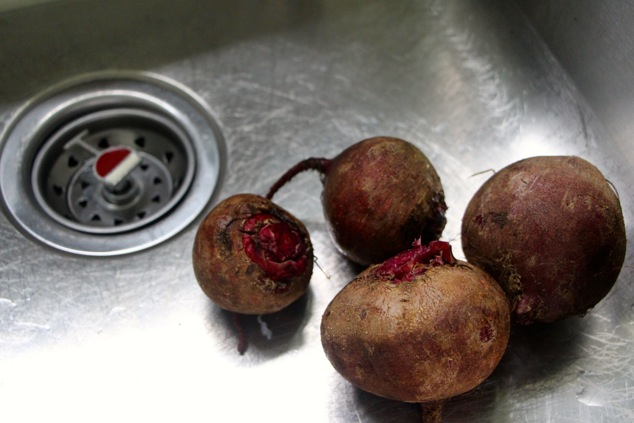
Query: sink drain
68, 185
108, 165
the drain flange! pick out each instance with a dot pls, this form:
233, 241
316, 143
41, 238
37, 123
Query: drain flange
110, 164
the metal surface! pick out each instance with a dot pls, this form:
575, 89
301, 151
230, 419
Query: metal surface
594, 42
134, 338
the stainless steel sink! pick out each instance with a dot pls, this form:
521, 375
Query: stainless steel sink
132, 337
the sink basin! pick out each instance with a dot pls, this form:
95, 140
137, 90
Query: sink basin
132, 337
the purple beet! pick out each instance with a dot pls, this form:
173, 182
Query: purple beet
550, 230
379, 196
251, 256
420, 327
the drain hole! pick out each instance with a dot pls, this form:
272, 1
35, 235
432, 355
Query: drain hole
157, 181
58, 190
140, 141
141, 214
95, 218
168, 156
103, 143
83, 203
72, 161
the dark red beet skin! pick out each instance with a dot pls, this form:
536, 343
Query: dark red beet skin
550, 230
251, 256
420, 327
379, 196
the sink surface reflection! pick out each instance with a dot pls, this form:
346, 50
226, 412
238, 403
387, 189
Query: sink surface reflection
133, 337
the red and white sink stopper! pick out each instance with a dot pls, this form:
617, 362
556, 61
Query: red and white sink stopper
114, 164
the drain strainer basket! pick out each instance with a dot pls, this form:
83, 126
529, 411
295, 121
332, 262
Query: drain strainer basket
110, 164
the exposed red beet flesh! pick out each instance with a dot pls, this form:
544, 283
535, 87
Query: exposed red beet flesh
276, 246
380, 195
415, 261
550, 230
251, 256
420, 327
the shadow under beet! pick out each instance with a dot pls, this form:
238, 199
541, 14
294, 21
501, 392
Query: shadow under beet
267, 335
538, 357
474, 406
535, 356
374, 409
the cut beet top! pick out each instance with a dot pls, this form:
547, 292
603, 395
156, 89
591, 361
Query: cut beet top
276, 246
415, 261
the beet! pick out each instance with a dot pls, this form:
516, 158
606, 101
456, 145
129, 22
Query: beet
420, 327
250, 256
550, 230
379, 196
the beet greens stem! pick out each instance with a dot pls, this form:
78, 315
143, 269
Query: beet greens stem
321, 165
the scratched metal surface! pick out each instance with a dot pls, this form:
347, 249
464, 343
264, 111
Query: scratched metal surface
133, 338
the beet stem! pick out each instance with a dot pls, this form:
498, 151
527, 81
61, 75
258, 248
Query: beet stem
321, 165
242, 338
431, 411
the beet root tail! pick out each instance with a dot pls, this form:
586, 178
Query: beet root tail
431, 411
